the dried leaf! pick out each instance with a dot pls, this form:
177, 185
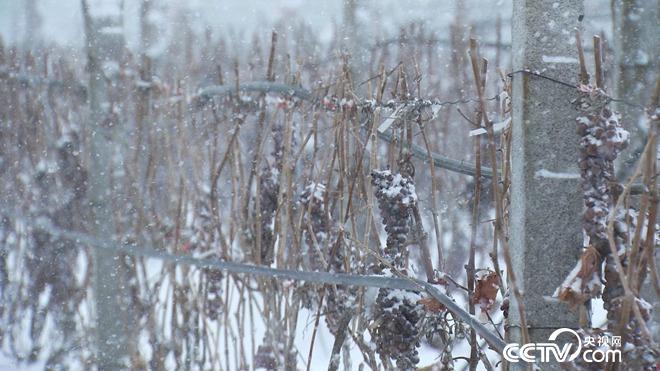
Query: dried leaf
583, 283
486, 290
432, 305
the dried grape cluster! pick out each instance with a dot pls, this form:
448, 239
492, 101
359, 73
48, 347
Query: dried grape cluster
265, 358
270, 189
396, 334
50, 260
202, 237
200, 233
55, 194
269, 192
397, 313
614, 292
340, 298
314, 208
396, 197
326, 247
316, 239
213, 289
602, 139
272, 355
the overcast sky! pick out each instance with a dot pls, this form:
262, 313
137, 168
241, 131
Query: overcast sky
62, 20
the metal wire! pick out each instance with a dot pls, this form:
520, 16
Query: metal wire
46, 225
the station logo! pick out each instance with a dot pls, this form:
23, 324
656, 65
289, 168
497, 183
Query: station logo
551, 351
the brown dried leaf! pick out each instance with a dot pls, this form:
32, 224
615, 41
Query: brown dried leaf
590, 264
432, 305
586, 272
486, 290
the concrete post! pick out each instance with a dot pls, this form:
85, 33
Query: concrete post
636, 46
113, 313
352, 41
546, 201
33, 20
635, 70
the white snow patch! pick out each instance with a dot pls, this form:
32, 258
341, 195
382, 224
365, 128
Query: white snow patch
390, 120
558, 59
571, 282
497, 127
598, 313
7, 363
543, 173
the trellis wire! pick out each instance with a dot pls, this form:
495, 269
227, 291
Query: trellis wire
419, 152
315, 277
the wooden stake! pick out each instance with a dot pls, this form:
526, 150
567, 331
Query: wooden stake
584, 75
599, 62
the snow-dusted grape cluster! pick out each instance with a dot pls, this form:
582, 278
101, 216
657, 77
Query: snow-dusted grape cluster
397, 313
313, 205
313, 208
341, 299
200, 228
49, 263
265, 358
602, 139
270, 188
213, 289
396, 196
198, 237
269, 192
614, 292
54, 194
396, 334
272, 355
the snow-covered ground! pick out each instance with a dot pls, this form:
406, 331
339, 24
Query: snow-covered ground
9, 364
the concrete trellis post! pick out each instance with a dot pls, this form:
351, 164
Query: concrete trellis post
635, 65
352, 39
113, 314
636, 46
546, 203
33, 20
